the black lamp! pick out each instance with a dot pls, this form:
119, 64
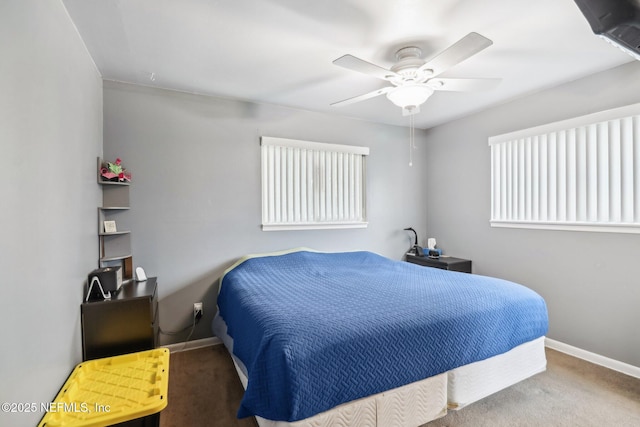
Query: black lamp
416, 249
414, 232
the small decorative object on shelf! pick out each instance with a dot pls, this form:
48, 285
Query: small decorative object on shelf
110, 227
114, 172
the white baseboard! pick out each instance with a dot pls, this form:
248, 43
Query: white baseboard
613, 364
192, 345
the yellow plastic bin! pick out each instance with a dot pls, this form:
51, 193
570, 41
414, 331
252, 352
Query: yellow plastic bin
112, 390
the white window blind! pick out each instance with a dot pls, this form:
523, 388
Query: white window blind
308, 185
577, 174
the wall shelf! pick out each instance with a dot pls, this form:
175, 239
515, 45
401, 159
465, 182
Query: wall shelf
115, 258
114, 233
114, 247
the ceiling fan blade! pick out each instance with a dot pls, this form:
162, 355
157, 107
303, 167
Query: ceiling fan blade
362, 66
462, 85
464, 48
362, 97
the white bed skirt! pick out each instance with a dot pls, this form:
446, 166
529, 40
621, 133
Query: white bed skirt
407, 406
422, 401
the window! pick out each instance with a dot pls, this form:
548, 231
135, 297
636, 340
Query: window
309, 185
577, 174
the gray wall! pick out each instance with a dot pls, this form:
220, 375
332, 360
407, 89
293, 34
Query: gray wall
50, 136
196, 192
589, 280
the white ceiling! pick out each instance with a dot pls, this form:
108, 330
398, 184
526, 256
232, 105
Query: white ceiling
281, 51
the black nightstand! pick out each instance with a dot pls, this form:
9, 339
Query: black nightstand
125, 324
443, 263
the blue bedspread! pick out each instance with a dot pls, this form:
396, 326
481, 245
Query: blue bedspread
315, 330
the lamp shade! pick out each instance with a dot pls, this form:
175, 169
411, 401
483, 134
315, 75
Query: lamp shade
410, 95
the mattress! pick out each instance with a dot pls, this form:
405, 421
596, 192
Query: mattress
318, 330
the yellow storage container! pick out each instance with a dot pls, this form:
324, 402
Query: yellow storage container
112, 390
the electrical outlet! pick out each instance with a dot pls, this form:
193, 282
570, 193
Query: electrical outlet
197, 311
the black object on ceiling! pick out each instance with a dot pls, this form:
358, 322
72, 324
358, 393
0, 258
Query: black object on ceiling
617, 20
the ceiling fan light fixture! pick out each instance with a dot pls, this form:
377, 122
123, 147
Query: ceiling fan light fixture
410, 95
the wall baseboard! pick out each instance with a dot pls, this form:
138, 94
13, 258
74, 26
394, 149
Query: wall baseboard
612, 364
192, 345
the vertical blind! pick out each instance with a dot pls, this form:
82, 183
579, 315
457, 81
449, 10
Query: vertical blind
579, 174
308, 185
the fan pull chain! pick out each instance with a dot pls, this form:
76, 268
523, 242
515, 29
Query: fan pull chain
413, 132
411, 140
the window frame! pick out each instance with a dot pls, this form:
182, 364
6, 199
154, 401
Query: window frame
580, 174
312, 185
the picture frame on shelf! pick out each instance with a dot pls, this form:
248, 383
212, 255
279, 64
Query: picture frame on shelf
110, 227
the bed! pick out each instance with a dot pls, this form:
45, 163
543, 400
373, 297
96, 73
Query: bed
355, 338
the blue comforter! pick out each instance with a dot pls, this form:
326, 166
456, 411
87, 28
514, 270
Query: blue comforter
315, 330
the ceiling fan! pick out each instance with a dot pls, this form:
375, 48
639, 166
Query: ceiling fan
414, 79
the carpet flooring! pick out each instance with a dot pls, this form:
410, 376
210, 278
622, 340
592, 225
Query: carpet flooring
204, 390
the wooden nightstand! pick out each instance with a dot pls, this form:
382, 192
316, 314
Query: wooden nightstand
444, 263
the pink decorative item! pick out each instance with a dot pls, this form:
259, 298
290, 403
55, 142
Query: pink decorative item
115, 172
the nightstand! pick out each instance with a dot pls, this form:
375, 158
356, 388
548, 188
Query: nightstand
126, 323
443, 263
